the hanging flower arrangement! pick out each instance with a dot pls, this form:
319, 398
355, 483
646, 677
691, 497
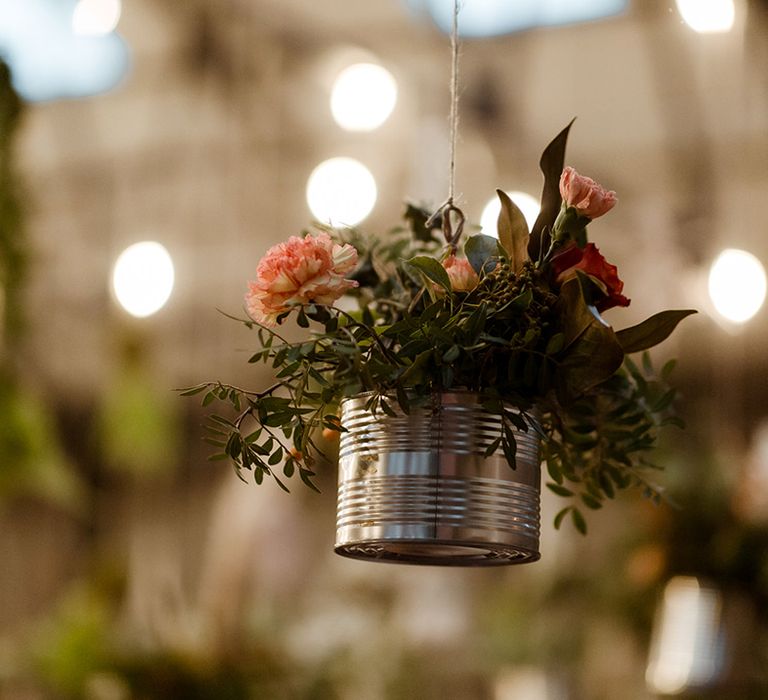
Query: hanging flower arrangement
515, 320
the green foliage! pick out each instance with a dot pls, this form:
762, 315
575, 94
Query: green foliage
13, 256
599, 446
519, 337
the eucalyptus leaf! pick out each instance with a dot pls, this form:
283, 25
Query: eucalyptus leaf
482, 251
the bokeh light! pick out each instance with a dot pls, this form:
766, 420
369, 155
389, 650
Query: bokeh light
58, 50
143, 277
96, 17
687, 645
363, 96
737, 285
341, 192
707, 16
527, 204
483, 18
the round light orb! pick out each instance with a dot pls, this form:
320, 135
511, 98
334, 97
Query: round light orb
490, 216
363, 96
707, 16
96, 17
737, 285
142, 278
341, 192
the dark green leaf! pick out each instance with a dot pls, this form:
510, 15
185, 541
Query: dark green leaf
509, 445
560, 490
652, 331
559, 517
387, 408
194, 390
492, 447
551, 164
417, 218
432, 269
451, 353
555, 344
592, 352
591, 501
666, 370
306, 477
664, 401
578, 521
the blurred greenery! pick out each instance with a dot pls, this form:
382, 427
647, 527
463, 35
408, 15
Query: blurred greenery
31, 459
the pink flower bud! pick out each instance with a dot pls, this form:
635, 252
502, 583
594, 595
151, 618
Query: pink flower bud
585, 195
462, 275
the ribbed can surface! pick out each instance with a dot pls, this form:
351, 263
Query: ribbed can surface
419, 489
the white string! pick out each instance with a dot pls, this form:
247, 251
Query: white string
448, 209
454, 119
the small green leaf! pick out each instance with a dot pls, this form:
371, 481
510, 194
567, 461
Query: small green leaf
667, 369
555, 344
194, 390
492, 447
560, 490
578, 521
387, 408
431, 269
559, 517
452, 353
591, 501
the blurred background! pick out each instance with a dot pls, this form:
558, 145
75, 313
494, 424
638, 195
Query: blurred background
132, 567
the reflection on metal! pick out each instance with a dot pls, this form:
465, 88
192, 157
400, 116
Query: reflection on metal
418, 489
687, 648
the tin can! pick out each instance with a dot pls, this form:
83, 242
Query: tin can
420, 489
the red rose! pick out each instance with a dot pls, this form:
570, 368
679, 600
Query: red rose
592, 263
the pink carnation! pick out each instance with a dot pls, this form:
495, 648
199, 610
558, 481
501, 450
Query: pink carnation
299, 271
462, 275
585, 195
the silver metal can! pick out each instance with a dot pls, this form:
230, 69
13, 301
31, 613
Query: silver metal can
418, 488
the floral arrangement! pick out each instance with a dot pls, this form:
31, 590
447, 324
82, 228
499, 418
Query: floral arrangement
516, 319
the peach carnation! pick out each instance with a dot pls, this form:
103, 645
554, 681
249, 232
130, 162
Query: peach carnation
588, 197
299, 271
461, 273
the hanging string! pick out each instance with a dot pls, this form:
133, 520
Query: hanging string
448, 210
454, 98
